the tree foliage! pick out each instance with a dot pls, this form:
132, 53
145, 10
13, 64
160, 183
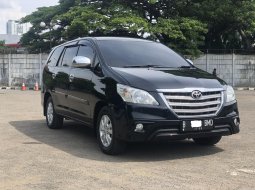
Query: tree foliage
184, 25
2, 42
231, 23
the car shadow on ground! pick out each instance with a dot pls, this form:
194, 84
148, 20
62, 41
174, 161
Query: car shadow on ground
80, 141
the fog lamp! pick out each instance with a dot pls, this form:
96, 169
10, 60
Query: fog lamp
139, 127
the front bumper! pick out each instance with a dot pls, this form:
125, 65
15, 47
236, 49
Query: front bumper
161, 124
172, 130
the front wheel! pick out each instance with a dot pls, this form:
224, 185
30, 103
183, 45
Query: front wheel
54, 121
208, 141
106, 135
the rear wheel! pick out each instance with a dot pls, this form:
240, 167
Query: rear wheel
208, 141
106, 135
54, 121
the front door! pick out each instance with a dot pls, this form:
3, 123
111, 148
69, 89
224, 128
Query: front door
80, 88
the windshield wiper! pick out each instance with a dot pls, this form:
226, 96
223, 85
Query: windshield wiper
145, 66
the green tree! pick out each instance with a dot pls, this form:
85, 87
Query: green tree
38, 39
184, 25
2, 42
125, 18
144, 19
231, 23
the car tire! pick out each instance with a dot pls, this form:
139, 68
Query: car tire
106, 135
207, 141
54, 121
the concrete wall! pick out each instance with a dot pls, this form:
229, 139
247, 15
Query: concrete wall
18, 68
26, 68
237, 70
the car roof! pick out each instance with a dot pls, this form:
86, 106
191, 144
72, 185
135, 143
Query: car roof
119, 39
105, 39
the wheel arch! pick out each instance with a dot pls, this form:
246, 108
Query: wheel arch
98, 107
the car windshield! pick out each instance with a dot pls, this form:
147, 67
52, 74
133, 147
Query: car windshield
123, 53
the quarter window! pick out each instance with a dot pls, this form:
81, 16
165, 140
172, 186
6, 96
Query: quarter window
55, 57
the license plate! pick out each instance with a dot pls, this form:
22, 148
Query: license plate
196, 124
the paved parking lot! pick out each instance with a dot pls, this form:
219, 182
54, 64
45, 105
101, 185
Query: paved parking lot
34, 157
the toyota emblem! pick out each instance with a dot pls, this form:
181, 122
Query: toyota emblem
196, 94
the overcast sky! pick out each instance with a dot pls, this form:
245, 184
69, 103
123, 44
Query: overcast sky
16, 9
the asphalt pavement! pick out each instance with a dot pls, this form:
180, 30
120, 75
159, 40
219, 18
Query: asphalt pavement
35, 157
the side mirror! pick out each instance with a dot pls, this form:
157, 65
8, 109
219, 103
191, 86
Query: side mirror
81, 61
191, 62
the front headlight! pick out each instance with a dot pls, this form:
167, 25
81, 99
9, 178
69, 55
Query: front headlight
137, 96
230, 94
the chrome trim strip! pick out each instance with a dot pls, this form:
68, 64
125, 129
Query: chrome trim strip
222, 102
58, 92
195, 116
79, 99
195, 110
194, 104
190, 90
166, 103
190, 98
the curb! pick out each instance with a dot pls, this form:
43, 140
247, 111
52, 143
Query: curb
244, 88
239, 89
15, 88
5, 88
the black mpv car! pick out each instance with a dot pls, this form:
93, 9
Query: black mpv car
132, 90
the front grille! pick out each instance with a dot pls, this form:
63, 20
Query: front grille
184, 105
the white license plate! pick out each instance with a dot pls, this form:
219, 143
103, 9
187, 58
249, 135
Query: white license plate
196, 124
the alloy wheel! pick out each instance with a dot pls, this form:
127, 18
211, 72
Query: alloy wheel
105, 130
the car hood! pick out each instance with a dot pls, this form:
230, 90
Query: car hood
151, 79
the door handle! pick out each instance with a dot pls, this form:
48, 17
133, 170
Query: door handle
71, 77
53, 75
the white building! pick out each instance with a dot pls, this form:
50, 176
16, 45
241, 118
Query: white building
13, 27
